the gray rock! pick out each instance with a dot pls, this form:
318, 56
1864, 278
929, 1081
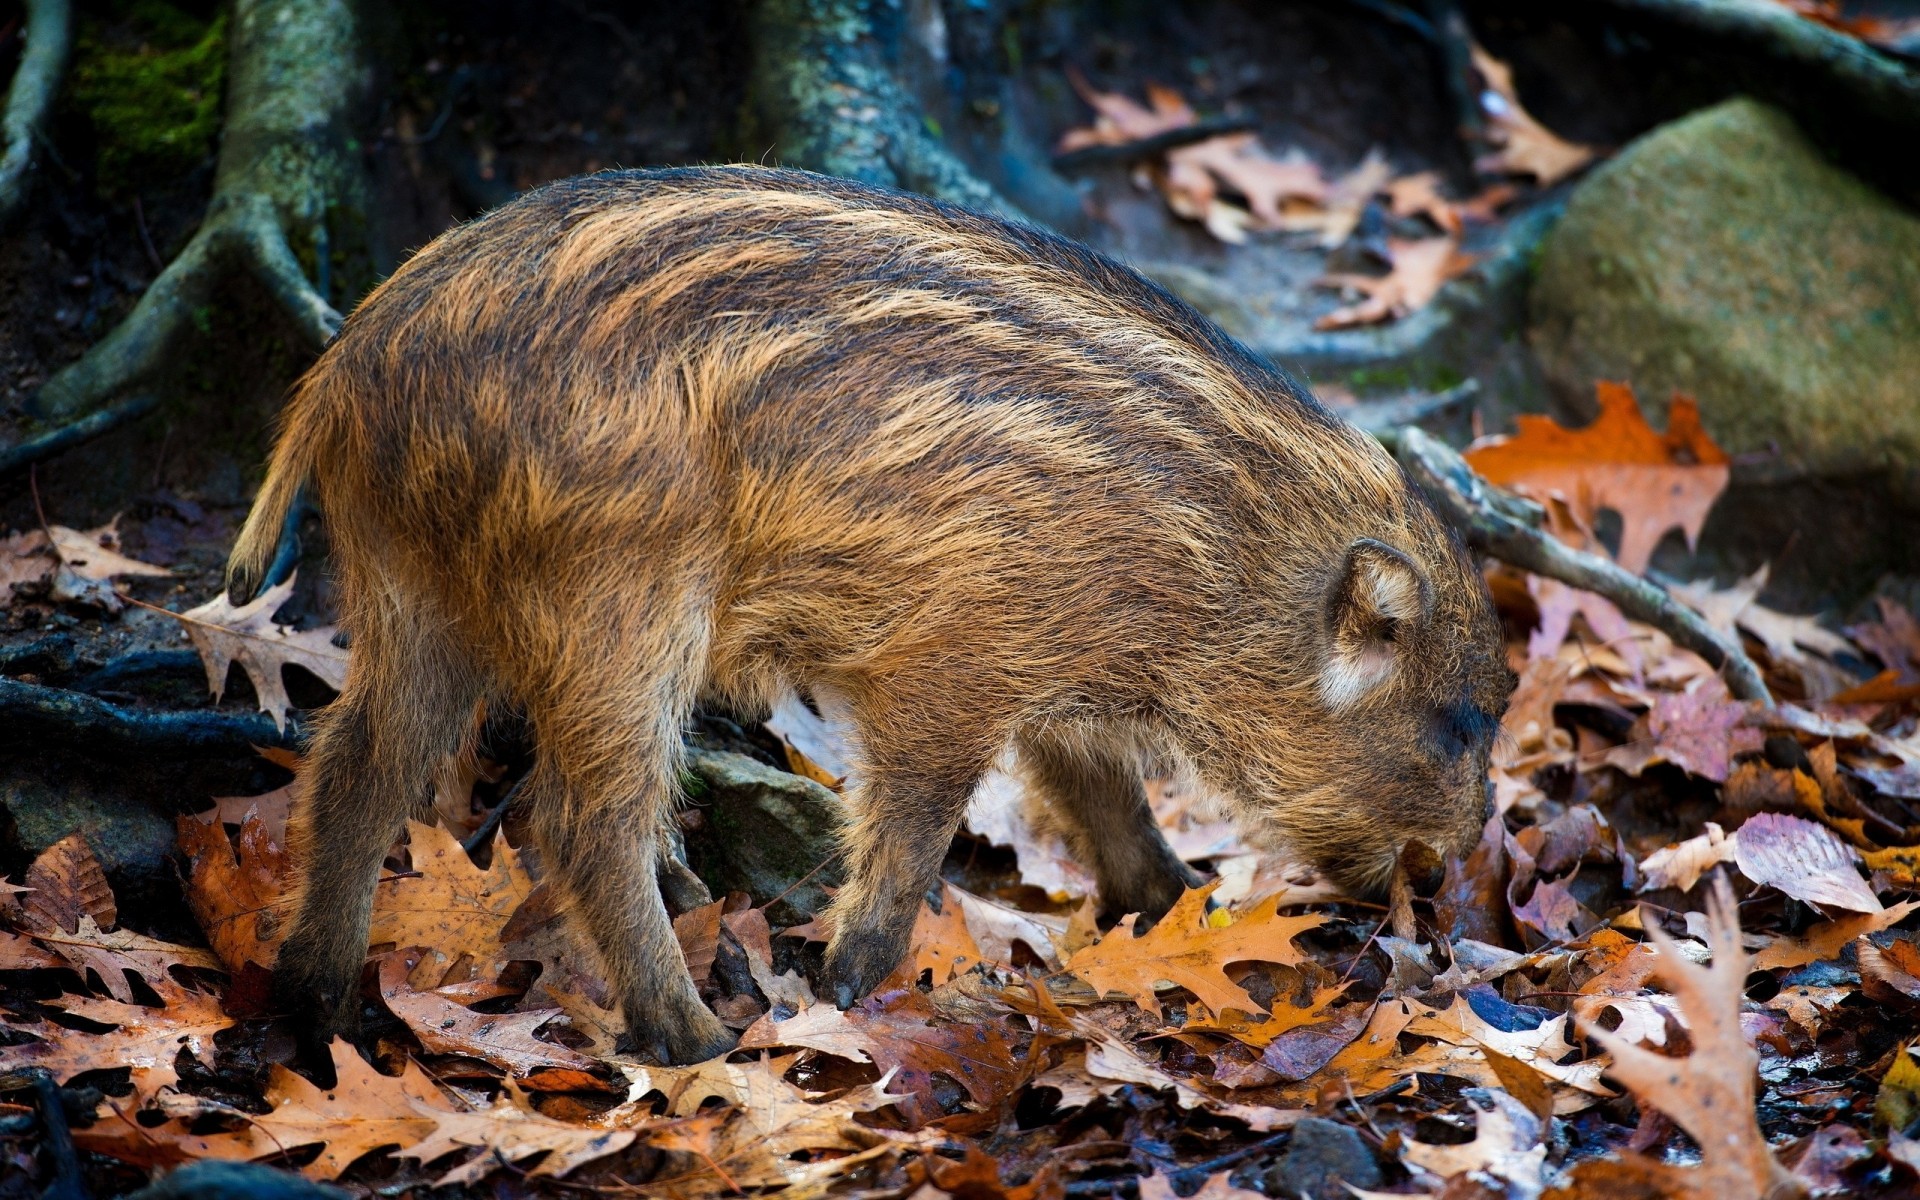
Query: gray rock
1322, 1156
762, 831
1723, 256
130, 839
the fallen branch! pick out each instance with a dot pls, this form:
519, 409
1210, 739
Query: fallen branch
285, 161
1506, 527
36, 81
828, 101
27, 709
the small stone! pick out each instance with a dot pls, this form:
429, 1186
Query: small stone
766, 832
1321, 1158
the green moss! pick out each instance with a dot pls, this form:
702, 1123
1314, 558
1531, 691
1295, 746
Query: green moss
149, 81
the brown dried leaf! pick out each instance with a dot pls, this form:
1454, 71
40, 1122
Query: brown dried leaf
1526, 147
1709, 1093
67, 884
445, 1026
1825, 942
1506, 1144
507, 1132
225, 634
901, 1032
364, 1111
1420, 268
148, 1040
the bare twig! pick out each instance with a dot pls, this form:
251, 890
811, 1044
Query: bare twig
1506, 527
1147, 147
36, 81
284, 160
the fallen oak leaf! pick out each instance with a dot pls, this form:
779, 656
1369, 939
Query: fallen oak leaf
773, 1120
1654, 481
1109, 1057
1411, 195
1823, 943
1681, 864
447, 902
75, 566
225, 634
1217, 1187
1188, 950
363, 1111
111, 953
237, 895
506, 1132
146, 1039
445, 1026
902, 1032
1420, 267
1523, 145
1506, 1145
1710, 1092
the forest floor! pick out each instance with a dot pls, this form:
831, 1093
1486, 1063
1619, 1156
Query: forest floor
1534, 1020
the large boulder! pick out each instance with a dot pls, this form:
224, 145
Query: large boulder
1723, 256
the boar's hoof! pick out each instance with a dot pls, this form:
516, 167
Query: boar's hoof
857, 961
693, 1039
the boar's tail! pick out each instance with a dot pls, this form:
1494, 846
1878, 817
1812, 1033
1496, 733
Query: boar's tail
260, 538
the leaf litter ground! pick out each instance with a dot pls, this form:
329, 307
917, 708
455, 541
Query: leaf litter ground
1681, 962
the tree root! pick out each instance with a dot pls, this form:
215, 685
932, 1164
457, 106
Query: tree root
1880, 85
56, 714
285, 164
36, 81
829, 102
1506, 527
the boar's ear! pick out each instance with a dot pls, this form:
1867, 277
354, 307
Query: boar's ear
1378, 597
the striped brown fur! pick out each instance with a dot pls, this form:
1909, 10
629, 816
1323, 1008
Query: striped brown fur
645, 437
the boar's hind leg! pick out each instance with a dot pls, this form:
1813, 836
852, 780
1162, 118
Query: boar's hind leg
908, 810
1101, 806
597, 795
408, 702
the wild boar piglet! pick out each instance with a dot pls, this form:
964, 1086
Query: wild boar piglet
645, 437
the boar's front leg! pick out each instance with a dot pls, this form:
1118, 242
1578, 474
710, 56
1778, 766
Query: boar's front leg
1096, 793
907, 808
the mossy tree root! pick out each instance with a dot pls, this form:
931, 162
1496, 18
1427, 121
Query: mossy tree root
36, 81
286, 171
1507, 527
826, 99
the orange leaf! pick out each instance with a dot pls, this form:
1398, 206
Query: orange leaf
1184, 949
236, 896
1655, 481
450, 904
